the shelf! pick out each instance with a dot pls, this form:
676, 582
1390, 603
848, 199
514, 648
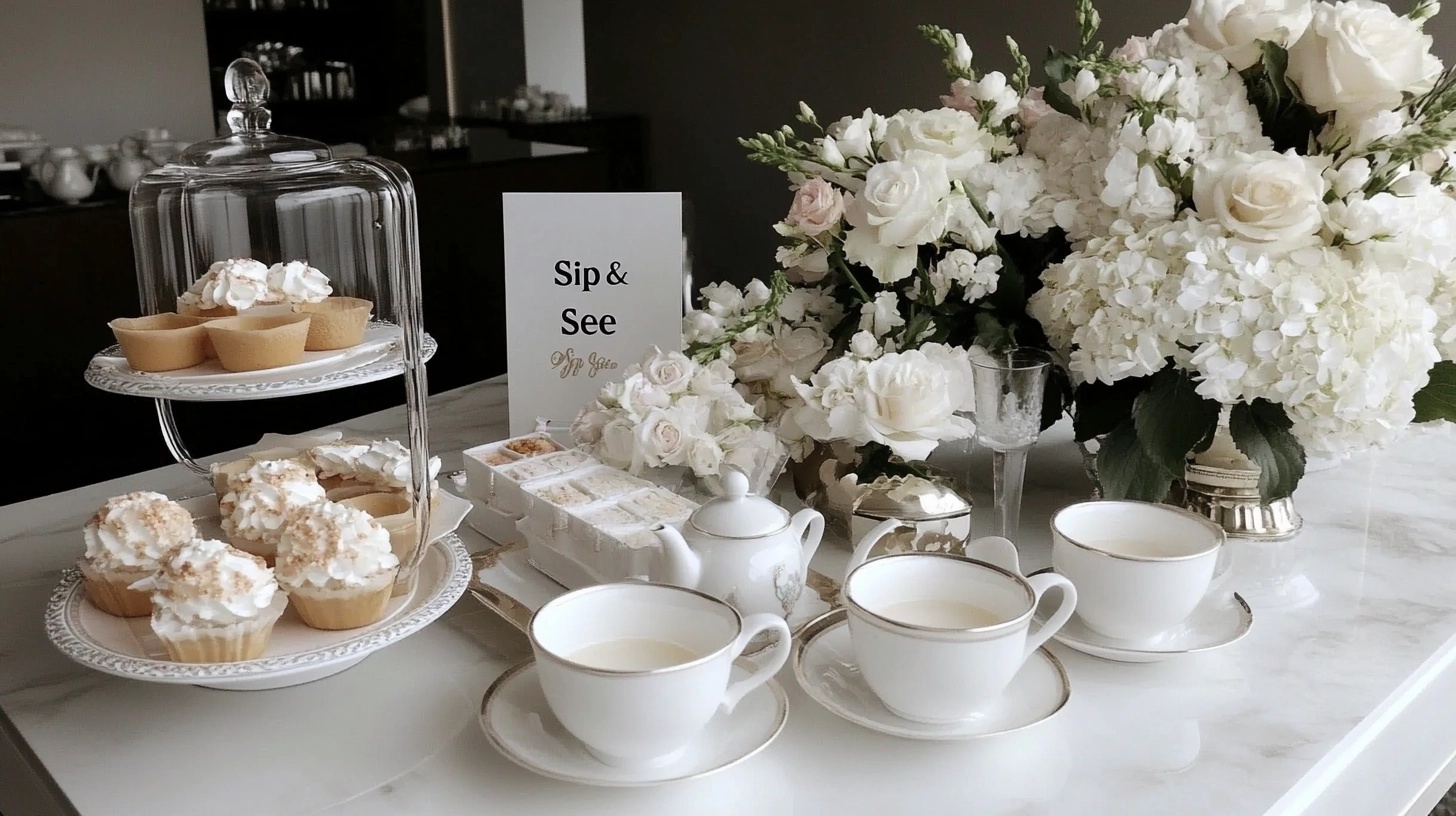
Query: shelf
379, 357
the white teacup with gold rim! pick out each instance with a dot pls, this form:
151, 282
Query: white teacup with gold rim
1140, 569
635, 670
939, 637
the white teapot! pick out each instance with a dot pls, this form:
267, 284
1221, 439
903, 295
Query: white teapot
994, 550
743, 549
129, 164
64, 176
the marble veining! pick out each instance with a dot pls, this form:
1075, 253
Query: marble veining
1230, 732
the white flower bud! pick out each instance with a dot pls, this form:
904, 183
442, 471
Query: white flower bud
961, 56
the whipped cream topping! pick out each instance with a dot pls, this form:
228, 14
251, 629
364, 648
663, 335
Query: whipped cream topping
136, 531
333, 545
382, 462
207, 582
297, 282
260, 498
237, 282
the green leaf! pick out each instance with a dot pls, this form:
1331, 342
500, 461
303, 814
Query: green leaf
1172, 419
1124, 470
1058, 397
1060, 67
1438, 399
991, 333
1261, 432
1102, 407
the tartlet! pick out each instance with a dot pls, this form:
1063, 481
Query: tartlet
255, 343
337, 322
161, 342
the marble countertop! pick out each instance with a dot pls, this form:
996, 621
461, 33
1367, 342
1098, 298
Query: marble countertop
1342, 700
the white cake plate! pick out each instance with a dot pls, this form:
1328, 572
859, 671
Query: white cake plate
380, 356
296, 653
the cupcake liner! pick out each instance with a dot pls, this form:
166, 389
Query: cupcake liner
345, 608
161, 342
245, 640
338, 322
257, 343
111, 592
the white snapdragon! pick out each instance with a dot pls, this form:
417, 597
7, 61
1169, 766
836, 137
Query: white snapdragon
881, 315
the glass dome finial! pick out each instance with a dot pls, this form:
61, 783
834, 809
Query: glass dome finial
247, 88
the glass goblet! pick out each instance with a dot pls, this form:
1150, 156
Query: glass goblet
1009, 387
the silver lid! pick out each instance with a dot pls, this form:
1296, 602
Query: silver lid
909, 498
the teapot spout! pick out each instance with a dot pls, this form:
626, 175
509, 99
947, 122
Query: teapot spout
683, 567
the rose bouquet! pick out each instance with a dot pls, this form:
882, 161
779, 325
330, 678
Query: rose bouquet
1258, 203
670, 412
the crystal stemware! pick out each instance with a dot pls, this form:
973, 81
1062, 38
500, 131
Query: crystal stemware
1009, 387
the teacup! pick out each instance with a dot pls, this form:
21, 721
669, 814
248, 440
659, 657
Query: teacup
636, 670
938, 637
1140, 568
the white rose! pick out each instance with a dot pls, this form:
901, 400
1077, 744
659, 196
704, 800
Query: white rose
639, 396
704, 455
722, 299
804, 262
908, 401
881, 315
663, 437
1274, 199
855, 137
1234, 28
1134, 50
671, 371
586, 429
754, 356
1360, 56
618, 445
901, 200
865, 346
817, 207
954, 135
701, 327
958, 362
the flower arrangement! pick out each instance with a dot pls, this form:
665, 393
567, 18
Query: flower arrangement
1259, 208
1239, 228
669, 411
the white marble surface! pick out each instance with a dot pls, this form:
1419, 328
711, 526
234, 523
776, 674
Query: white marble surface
1343, 705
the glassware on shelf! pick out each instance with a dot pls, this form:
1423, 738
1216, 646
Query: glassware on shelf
1010, 385
272, 198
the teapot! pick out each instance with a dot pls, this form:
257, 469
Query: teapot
129, 164
743, 549
63, 175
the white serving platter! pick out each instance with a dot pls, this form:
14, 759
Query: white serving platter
378, 357
296, 653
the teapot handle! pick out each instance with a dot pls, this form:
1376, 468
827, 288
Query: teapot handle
808, 529
45, 170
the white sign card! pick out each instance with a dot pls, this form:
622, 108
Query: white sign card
592, 280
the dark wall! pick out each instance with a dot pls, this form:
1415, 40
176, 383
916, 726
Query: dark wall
705, 72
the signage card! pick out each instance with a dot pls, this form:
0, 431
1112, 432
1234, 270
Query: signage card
592, 280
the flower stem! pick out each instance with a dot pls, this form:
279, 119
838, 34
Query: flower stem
853, 281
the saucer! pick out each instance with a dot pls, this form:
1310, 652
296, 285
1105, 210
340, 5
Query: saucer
1220, 620
519, 723
825, 668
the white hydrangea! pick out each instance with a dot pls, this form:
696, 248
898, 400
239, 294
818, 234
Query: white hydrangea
1343, 343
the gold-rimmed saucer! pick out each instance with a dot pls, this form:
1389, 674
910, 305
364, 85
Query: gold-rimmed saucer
825, 667
519, 723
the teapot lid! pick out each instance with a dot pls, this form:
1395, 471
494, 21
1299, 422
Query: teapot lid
909, 498
251, 142
737, 514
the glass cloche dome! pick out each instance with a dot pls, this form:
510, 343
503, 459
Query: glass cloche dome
262, 201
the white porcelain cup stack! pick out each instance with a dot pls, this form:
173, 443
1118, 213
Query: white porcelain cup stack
635, 670
1140, 569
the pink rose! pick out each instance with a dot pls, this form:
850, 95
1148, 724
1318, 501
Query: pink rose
817, 207
960, 97
1033, 107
